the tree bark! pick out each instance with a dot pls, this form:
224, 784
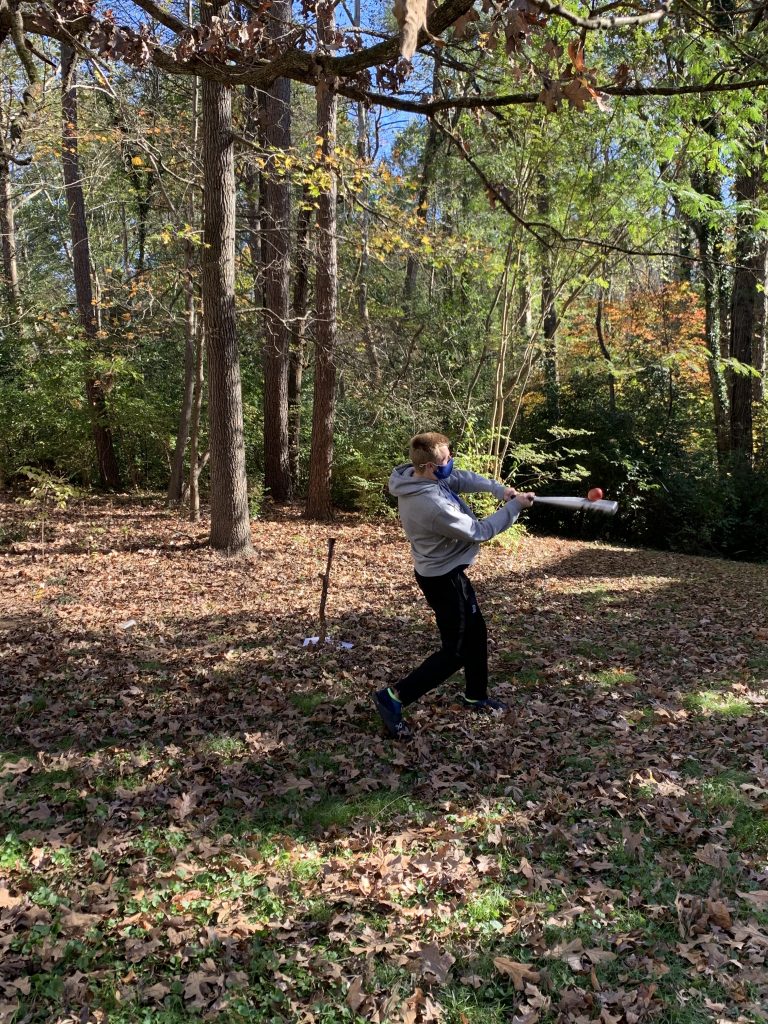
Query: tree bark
758, 348
195, 460
275, 241
298, 338
549, 318
326, 279
605, 351
364, 156
431, 147
710, 242
109, 474
744, 314
176, 482
230, 524
175, 485
8, 230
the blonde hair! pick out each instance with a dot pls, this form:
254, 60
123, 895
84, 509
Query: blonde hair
423, 448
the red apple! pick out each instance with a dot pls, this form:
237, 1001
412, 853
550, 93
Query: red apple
594, 494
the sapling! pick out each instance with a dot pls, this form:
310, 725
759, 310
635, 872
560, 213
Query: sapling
46, 491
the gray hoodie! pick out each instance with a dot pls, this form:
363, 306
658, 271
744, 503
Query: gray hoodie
443, 530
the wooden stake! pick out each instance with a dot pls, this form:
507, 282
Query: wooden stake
325, 577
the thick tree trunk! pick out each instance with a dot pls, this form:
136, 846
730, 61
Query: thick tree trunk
275, 241
230, 524
326, 275
744, 315
549, 318
95, 391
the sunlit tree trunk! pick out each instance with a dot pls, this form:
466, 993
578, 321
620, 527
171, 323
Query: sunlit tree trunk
230, 524
275, 243
758, 352
326, 279
190, 332
8, 230
364, 155
109, 474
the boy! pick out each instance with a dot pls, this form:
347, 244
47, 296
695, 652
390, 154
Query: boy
445, 536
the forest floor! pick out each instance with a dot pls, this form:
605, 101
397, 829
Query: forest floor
200, 815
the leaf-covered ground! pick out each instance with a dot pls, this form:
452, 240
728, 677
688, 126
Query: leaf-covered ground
201, 816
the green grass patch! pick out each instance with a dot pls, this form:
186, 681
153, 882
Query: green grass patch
609, 679
307, 702
714, 702
229, 748
592, 650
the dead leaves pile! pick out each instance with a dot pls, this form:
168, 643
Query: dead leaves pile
202, 815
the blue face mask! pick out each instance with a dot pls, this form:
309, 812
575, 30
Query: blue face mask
443, 472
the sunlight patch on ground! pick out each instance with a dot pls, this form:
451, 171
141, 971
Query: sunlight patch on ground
714, 702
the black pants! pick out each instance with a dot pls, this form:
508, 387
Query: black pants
463, 635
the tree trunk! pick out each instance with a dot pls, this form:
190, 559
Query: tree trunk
190, 346
758, 351
176, 482
744, 314
326, 275
109, 475
298, 338
230, 524
710, 243
549, 319
364, 156
195, 460
431, 147
8, 229
275, 241
605, 351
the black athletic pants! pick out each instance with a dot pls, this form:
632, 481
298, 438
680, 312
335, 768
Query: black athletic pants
463, 634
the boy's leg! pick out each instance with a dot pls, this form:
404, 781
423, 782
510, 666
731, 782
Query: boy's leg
445, 596
475, 649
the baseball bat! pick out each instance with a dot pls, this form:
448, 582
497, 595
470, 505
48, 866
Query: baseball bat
608, 508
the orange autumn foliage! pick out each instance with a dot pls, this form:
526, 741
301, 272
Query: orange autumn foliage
649, 325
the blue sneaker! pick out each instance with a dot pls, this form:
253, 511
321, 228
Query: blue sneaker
391, 714
487, 704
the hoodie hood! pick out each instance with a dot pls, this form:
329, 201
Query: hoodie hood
403, 482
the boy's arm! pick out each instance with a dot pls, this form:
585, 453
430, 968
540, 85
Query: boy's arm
452, 522
462, 481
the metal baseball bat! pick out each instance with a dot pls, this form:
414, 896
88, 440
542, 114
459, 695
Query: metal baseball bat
608, 508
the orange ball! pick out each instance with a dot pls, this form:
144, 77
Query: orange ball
594, 494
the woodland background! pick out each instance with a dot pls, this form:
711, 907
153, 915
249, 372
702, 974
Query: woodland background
247, 250
545, 235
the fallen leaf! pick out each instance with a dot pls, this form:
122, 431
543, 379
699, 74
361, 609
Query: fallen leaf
519, 973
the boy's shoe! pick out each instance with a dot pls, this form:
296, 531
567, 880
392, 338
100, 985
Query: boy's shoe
391, 714
487, 704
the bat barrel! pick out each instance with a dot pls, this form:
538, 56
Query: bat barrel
608, 508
